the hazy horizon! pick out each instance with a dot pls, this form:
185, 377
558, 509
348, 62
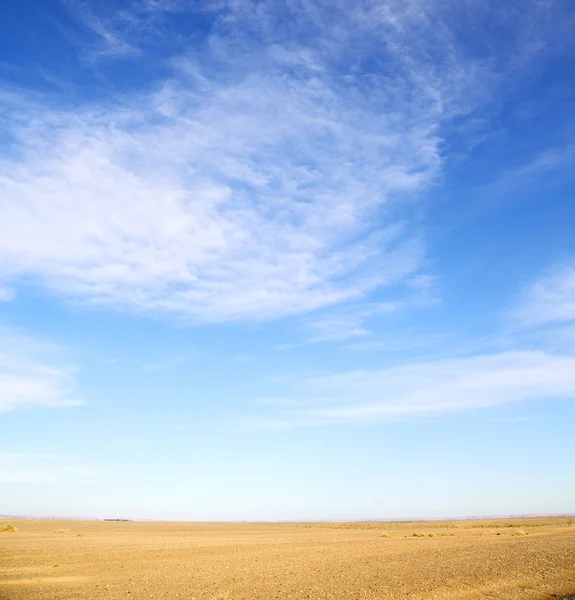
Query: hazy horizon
375, 520
286, 261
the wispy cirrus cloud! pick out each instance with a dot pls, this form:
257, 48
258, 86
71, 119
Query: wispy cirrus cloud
479, 379
544, 313
343, 324
274, 171
355, 320
265, 177
426, 389
31, 376
188, 217
548, 301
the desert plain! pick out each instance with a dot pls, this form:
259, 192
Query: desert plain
526, 558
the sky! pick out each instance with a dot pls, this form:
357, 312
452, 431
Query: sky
287, 260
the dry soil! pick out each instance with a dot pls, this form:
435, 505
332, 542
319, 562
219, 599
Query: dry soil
464, 560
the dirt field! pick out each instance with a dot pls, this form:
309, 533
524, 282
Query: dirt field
523, 559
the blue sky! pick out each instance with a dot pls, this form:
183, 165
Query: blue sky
287, 260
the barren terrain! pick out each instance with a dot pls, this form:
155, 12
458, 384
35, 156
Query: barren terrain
453, 560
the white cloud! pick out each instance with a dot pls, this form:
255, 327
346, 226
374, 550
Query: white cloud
233, 191
117, 32
430, 388
273, 173
356, 321
343, 324
30, 377
182, 218
549, 301
546, 312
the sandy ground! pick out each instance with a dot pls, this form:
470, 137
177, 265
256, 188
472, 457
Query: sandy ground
511, 559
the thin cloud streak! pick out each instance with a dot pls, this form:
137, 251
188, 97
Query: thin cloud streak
427, 389
30, 378
549, 301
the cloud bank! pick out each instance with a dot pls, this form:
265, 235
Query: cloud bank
275, 170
